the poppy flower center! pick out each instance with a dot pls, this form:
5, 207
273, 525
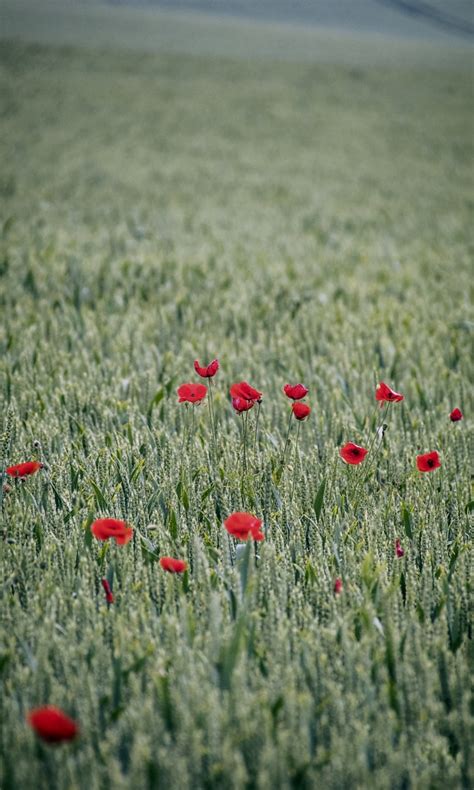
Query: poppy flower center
430, 462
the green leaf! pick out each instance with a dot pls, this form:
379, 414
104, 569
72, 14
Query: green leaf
207, 492
233, 604
110, 575
182, 495
310, 574
403, 587
422, 397
2, 478
407, 521
173, 524
438, 609
230, 654
169, 385
137, 666
165, 701
277, 473
58, 500
4, 659
88, 537
162, 503
186, 581
103, 554
99, 497
276, 707
319, 498
392, 672
453, 558
39, 534
157, 398
136, 471
7, 225
148, 549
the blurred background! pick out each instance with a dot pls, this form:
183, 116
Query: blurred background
164, 24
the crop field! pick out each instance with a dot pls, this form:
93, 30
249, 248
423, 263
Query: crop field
302, 222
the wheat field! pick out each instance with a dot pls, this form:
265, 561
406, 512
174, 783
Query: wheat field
302, 222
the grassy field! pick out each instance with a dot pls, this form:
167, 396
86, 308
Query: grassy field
303, 222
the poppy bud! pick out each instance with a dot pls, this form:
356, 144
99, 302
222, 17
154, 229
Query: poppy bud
338, 586
240, 404
301, 410
400, 552
109, 596
456, 415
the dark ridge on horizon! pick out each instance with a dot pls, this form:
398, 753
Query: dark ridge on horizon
425, 11
326, 12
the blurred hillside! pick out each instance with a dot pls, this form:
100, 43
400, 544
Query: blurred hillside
400, 17
359, 33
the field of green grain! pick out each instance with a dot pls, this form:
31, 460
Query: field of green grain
301, 221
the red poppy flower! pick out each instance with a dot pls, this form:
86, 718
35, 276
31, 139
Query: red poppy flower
52, 725
109, 596
400, 552
428, 462
207, 372
191, 393
301, 410
385, 393
104, 528
243, 390
173, 566
241, 405
338, 586
456, 415
244, 526
295, 391
352, 453
24, 470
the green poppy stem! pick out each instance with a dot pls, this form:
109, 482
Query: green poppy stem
212, 418
295, 460
256, 428
287, 440
365, 473
244, 440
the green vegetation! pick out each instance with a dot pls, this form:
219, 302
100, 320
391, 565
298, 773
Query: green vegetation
303, 222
